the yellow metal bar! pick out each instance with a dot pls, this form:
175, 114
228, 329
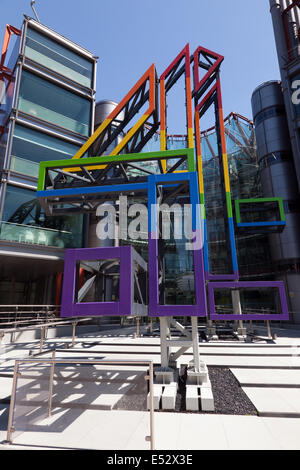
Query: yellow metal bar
92, 139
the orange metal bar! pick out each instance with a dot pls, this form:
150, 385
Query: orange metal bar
9, 31
198, 142
148, 75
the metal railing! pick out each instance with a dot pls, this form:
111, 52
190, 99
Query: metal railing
55, 361
16, 313
35, 235
43, 327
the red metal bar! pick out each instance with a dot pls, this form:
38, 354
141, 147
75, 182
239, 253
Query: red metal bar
59, 277
218, 60
206, 97
183, 55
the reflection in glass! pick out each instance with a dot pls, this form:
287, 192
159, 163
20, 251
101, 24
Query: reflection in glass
253, 249
56, 57
266, 211
98, 281
54, 104
253, 300
175, 262
31, 147
24, 221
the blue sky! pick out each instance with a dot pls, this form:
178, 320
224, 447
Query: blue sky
129, 35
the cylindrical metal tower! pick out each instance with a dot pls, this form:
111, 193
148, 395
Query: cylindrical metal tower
278, 179
102, 110
286, 23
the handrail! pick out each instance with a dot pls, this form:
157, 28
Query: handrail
26, 305
37, 227
33, 327
17, 314
49, 321
29, 320
72, 321
54, 361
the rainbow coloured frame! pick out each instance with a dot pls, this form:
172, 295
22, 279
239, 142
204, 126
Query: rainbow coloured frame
88, 188
50, 197
266, 223
155, 308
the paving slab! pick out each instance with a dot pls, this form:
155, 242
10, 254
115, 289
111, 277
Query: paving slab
275, 401
285, 431
252, 364
275, 377
123, 430
247, 433
225, 361
5, 387
89, 430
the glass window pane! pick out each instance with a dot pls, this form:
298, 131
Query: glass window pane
13, 51
56, 57
97, 281
30, 147
54, 104
7, 87
24, 221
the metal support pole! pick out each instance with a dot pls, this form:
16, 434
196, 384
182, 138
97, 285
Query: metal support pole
12, 403
195, 339
151, 406
42, 338
269, 329
73, 334
211, 329
164, 333
138, 327
237, 310
51, 384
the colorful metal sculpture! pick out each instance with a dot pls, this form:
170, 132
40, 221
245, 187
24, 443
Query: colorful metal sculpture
81, 184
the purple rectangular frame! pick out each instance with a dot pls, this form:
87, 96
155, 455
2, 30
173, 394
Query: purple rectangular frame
69, 308
155, 308
251, 284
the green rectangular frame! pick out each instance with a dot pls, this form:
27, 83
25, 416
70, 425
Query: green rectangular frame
238, 202
71, 164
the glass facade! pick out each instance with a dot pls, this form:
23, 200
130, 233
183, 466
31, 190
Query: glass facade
253, 249
47, 103
3, 145
44, 100
24, 221
244, 183
7, 82
178, 284
13, 51
251, 300
7, 87
30, 147
58, 58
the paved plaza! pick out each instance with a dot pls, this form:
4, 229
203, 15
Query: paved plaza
268, 372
